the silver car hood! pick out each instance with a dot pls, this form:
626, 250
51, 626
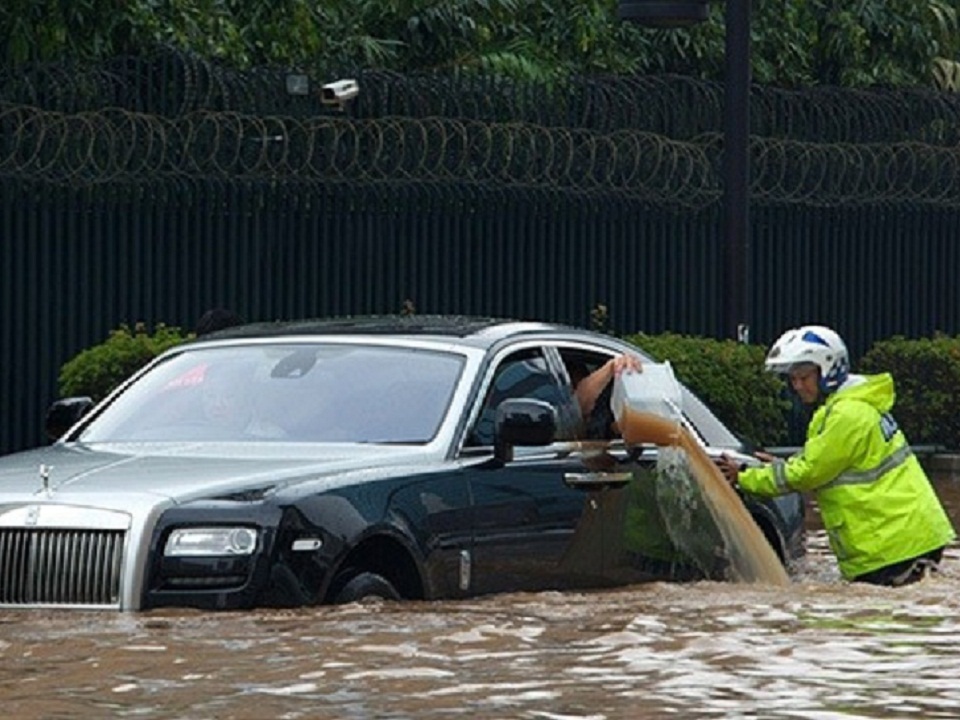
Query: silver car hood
107, 475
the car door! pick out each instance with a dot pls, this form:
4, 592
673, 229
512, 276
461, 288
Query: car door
536, 517
622, 491
627, 499
652, 523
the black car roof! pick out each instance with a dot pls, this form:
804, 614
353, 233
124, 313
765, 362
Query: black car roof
478, 331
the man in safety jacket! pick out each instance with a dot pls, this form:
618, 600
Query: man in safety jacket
882, 516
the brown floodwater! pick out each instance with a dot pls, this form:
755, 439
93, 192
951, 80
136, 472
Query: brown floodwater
817, 648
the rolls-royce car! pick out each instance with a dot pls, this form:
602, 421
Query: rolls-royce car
307, 462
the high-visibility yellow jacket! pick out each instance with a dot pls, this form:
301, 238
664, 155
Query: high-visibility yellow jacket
877, 504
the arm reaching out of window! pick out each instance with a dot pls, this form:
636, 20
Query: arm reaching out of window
588, 389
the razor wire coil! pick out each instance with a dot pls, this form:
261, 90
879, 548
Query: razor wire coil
116, 146
171, 115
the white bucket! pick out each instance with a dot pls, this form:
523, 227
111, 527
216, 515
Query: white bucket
654, 390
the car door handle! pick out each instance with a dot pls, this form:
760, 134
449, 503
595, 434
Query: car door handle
589, 481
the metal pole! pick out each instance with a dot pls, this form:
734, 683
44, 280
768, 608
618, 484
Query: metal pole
736, 166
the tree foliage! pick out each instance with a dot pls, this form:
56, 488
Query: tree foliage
894, 42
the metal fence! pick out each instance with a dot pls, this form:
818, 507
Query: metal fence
150, 189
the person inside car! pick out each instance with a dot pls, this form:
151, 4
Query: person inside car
228, 403
593, 391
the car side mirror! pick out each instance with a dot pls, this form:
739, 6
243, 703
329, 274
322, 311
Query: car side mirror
523, 421
64, 414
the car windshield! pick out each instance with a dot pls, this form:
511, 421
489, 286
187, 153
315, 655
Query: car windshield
285, 392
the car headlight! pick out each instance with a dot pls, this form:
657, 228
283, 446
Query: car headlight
186, 542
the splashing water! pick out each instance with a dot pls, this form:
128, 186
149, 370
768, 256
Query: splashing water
704, 516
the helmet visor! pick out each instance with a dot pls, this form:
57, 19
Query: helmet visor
786, 368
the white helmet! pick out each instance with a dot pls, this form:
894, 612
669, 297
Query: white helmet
811, 344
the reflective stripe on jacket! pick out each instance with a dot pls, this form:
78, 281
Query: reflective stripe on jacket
877, 504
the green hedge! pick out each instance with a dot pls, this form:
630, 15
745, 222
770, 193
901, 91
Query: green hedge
96, 371
927, 376
727, 375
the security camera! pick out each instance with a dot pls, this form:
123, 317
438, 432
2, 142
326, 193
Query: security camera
339, 92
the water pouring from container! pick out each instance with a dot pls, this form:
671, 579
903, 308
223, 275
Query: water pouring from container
647, 406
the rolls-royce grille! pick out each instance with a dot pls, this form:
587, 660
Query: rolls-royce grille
60, 567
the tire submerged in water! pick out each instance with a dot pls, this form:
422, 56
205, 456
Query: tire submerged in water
366, 586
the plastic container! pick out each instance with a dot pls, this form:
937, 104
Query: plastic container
655, 390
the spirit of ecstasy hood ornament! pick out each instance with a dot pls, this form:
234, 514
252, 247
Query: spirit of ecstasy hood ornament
45, 478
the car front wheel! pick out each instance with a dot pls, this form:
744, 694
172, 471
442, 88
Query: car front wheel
366, 585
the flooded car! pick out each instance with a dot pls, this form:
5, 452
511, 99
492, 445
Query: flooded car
300, 463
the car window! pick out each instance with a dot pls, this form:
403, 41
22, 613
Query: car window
701, 420
579, 363
525, 374
707, 425
300, 393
